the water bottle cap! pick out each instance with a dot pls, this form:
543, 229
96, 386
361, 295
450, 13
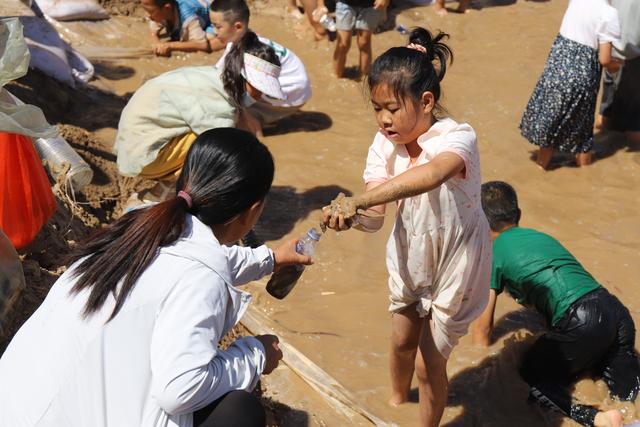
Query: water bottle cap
314, 234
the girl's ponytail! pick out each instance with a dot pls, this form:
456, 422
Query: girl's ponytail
122, 251
227, 170
409, 71
232, 78
434, 47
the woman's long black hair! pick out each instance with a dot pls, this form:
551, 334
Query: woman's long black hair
227, 170
409, 72
234, 63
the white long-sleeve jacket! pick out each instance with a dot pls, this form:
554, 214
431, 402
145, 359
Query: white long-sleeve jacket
156, 362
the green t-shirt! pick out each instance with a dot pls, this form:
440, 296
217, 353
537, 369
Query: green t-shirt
538, 272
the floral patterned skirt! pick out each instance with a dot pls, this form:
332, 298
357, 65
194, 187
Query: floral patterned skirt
561, 109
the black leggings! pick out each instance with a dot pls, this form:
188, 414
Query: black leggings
235, 409
595, 336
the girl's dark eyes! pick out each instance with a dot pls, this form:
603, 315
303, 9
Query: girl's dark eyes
391, 110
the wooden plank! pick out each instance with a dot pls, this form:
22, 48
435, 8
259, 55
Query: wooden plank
259, 324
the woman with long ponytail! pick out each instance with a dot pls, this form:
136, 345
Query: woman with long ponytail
128, 335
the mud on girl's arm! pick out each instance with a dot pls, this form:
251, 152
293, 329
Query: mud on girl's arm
415, 181
372, 219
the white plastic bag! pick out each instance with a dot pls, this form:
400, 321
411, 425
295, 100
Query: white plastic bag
16, 117
72, 10
14, 55
52, 55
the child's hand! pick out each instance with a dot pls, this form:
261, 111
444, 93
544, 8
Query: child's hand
339, 214
615, 65
162, 49
381, 4
318, 12
286, 254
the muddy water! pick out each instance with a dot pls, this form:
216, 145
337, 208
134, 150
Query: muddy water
337, 314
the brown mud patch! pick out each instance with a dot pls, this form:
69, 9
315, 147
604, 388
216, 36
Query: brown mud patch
123, 7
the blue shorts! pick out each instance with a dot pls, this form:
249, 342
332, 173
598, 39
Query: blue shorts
360, 18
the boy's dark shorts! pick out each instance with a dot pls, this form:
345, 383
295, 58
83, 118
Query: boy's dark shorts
595, 336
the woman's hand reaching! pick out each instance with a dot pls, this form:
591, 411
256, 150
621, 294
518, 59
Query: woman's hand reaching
286, 254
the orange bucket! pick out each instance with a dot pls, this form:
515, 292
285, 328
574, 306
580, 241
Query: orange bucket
26, 199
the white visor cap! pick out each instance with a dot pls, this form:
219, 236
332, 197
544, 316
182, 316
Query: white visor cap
263, 75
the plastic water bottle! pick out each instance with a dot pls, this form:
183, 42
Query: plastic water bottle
58, 153
283, 281
328, 22
321, 15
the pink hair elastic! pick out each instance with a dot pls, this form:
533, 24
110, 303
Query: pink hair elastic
417, 47
186, 197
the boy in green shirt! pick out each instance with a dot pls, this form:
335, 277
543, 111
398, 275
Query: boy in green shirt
590, 330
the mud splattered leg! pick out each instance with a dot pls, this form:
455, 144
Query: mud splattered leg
405, 336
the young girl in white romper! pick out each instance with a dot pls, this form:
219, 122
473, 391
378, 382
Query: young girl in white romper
439, 255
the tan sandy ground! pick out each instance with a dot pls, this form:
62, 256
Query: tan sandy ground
337, 314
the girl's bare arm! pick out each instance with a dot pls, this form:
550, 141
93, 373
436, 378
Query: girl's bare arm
372, 219
415, 181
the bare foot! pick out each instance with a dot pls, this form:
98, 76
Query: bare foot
440, 11
397, 399
612, 418
583, 159
544, 157
438, 7
293, 12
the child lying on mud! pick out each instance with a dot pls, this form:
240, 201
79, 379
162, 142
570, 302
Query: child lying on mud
591, 332
185, 22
